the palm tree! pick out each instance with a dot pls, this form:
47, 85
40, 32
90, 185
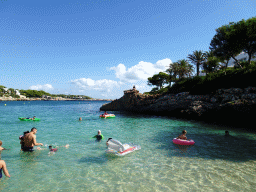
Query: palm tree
211, 62
181, 68
185, 69
197, 58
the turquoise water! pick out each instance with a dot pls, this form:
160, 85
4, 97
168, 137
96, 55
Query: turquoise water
214, 163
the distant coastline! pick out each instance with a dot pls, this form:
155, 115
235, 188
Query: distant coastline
4, 98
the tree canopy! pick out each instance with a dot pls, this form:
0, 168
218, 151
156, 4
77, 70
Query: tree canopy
158, 79
196, 58
232, 39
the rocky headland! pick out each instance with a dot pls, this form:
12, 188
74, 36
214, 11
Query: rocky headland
234, 107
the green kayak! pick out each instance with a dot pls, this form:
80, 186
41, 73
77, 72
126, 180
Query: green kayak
27, 119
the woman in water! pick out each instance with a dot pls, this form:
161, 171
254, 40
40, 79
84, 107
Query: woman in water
4, 168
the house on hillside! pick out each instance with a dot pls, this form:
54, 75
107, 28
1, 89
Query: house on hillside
46, 97
17, 92
241, 57
6, 90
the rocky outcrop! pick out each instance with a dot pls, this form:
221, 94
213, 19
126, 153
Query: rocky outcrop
234, 104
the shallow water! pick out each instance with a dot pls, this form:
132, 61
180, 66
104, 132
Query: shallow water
214, 163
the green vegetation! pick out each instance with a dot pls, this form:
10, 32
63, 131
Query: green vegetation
37, 94
33, 93
229, 41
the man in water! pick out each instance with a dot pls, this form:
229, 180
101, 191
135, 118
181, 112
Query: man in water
30, 140
99, 136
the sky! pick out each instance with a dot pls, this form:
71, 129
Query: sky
100, 48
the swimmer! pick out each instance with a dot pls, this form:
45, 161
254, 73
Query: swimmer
67, 146
1, 148
226, 133
108, 140
99, 136
183, 135
52, 149
80, 118
4, 168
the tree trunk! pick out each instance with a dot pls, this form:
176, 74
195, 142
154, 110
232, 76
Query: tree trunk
197, 70
237, 62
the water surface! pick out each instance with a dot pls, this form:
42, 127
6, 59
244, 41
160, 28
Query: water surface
214, 163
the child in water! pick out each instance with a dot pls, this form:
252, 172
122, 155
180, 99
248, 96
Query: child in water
183, 135
52, 149
21, 138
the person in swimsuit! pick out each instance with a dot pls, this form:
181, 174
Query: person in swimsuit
4, 168
30, 140
99, 136
52, 149
183, 135
108, 140
21, 138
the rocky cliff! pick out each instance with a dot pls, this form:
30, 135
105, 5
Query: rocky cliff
234, 106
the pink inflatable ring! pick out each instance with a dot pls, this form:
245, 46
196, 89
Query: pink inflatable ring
183, 142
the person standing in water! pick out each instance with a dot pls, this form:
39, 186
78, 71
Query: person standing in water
30, 140
4, 168
99, 136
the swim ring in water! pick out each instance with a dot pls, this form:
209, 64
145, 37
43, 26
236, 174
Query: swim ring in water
183, 142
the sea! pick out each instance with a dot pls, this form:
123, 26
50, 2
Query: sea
214, 163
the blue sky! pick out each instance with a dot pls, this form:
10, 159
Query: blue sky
100, 48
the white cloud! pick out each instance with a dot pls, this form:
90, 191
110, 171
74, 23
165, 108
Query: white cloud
46, 87
141, 71
103, 85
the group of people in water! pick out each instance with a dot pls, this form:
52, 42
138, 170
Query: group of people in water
28, 141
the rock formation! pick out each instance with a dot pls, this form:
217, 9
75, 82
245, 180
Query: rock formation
227, 106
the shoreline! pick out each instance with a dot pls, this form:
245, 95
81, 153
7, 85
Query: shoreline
40, 99
234, 107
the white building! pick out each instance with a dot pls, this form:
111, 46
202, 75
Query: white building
17, 92
241, 57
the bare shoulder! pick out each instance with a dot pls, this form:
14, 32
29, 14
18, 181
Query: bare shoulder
2, 162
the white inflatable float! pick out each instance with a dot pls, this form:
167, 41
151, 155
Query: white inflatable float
117, 148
